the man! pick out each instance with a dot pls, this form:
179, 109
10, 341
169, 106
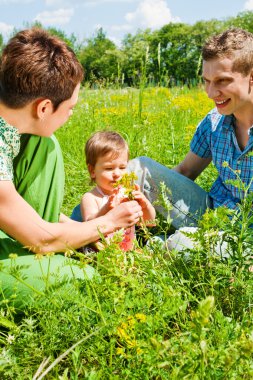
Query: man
40, 78
224, 136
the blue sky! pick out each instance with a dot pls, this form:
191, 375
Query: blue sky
117, 17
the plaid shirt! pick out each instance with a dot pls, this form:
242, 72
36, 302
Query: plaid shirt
215, 138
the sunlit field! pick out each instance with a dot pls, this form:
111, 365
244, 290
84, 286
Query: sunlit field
148, 314
162, 131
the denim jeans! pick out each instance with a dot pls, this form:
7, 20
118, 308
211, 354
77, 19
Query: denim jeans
188, 200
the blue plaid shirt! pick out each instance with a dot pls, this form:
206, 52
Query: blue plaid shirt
215, 138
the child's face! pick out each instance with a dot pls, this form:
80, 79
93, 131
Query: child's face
109, 169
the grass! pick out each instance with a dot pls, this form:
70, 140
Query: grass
150, 314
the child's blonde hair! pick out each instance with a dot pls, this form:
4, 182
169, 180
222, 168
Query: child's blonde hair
102, 143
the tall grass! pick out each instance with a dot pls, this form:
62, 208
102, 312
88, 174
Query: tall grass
150, 313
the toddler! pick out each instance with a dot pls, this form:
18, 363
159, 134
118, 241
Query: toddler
107, 155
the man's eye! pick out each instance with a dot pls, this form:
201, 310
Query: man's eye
223, 81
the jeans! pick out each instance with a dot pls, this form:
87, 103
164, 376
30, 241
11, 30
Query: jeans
188, 200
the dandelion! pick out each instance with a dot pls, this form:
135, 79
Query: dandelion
124, 325
141, 317
120, 351
13, 256
69, 253
122, 333
131, 321
38, 256
131, 343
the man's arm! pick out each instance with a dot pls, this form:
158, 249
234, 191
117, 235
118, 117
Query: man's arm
20, 221
192, 165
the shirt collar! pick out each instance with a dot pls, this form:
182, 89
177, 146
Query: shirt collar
228, 122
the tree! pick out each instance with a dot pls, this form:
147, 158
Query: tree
135, 51
99, 57
1, 42
243, 20
71, 41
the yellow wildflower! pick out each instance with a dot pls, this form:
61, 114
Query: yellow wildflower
120, 351
13, 256
141, 317
122, 333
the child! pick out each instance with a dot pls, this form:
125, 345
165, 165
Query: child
107, 156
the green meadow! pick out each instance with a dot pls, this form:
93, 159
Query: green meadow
149, 313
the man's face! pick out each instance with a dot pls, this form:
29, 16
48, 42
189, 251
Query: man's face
231, 91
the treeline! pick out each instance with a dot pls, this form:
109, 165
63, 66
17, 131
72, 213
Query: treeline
168, 56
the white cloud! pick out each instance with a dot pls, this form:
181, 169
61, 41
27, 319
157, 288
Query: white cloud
248, 6
121, 28
56, 3
151, 14
5, 29
117, 41
58, 17
98, 2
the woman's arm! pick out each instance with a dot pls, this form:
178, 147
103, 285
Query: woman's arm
65, 219
20, 221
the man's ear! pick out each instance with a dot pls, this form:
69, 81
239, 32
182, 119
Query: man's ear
91, 171
44, 108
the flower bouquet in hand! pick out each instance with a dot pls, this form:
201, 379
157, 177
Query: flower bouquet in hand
124, 192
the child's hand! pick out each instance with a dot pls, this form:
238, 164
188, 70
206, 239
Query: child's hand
147, 208
116, 198
112, 200
140, 197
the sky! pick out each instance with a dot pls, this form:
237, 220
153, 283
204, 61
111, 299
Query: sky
116, 17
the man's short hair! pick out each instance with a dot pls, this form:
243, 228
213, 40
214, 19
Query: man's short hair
102, 143
234, 43
34, 65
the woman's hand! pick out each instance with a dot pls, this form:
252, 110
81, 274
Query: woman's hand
125, 215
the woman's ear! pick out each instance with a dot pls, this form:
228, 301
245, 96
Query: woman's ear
91, 171
44, 108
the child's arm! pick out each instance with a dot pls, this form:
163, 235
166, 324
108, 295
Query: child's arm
147, 208
90, 207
